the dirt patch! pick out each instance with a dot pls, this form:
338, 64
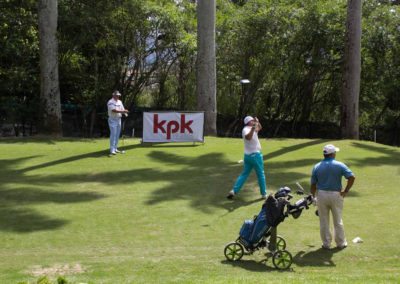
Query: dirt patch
57, 269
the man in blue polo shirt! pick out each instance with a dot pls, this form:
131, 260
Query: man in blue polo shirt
326, 183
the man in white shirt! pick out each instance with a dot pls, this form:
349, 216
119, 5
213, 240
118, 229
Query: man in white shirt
115, 111
252, 157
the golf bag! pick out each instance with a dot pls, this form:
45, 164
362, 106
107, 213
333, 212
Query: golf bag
271, 214
261, 232
253, 230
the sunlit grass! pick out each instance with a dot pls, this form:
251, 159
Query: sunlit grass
158, 214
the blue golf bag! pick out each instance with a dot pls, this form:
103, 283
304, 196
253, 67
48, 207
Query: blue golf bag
252, 231
261, 232
271, 215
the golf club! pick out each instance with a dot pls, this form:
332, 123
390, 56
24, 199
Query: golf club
123, 131
301, 189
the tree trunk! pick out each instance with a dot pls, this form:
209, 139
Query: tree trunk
49, 82
352, 70
206, 64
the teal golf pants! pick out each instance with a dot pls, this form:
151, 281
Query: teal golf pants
251, 161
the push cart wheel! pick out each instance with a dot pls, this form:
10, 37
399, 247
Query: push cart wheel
282, 259
233, 251
280, 243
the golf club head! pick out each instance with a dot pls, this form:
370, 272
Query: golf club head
282, 192
299, 192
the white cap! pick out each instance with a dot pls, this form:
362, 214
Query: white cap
247, 119
330, 149
116, 93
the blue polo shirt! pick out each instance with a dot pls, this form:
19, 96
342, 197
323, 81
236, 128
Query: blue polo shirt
327, 174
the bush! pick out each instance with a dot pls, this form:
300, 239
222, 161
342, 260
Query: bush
61, 280
43, 280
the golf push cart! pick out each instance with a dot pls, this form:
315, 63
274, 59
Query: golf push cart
261, 232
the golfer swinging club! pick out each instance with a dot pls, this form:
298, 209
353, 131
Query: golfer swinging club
252, 157
115, 111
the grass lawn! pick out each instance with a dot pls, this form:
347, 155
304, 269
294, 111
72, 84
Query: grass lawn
158, 214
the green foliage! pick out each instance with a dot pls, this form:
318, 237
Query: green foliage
379, 98
132, 46
291, 51
61, 280
291, 54
43, 280
19, 62
46, 280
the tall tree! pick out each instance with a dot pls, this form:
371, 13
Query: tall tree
352, 70
49, 82
206, 64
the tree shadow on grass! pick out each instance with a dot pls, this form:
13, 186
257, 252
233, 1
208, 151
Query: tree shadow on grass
169, 145
388, 156
14, 216
43, 189
49, 140
282, 173
23, 220
23, 196
288, 149
205, 181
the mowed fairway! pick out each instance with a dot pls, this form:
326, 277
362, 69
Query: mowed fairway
158, 214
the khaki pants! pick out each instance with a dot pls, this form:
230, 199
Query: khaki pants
331, 201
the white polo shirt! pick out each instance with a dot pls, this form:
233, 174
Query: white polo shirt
113, 104
253, 145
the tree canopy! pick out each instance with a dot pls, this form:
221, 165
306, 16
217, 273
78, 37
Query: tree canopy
290, 51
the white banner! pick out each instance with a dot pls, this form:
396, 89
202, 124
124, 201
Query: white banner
173, 126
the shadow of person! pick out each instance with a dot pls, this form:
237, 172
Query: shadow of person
319, 257
232, 205
74, 158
